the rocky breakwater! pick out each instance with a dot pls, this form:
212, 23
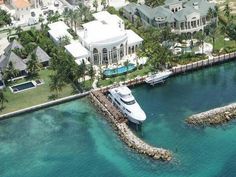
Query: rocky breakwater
140, 146
122, 129
213, 117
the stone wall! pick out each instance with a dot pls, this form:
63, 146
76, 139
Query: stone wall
213, 117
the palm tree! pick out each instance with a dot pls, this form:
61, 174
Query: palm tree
10, 72
76, 18
200, 37
18, 30
83, 69
91, 72
33, 66
212, 33
210, 14
223, 30
95, 5
227, 11
56, 83
2, 99
104, 4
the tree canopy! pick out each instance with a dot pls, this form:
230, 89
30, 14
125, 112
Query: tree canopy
5, 18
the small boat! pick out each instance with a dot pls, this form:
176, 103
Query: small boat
158, 77
125, 101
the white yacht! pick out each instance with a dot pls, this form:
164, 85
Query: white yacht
124, 100
158, 77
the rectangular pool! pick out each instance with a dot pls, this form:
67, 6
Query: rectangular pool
23, 86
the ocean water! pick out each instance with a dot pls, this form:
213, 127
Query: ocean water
73, 139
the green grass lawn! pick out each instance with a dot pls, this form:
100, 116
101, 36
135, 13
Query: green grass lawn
139, 72
40, 94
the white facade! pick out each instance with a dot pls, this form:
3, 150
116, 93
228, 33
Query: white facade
107, 40
101, 42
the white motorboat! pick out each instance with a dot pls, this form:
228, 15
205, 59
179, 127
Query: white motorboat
158, 77
125, 101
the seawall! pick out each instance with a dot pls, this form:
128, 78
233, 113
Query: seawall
119, 123
43, 105
215, 116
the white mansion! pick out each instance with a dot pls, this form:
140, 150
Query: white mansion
183, 16
101, 41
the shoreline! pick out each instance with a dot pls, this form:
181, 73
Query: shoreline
216, 116
132, 82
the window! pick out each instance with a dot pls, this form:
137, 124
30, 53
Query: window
128, 102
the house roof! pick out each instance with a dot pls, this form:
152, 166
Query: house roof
59, 25
202, 7
13, 45
41, 55
77, 50
21, 3
131, 8
16, 61
133, 38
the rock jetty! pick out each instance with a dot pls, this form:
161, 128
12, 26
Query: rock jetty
119, 123
215, 116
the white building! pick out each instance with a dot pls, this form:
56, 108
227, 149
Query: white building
22, 9
107, 40
101, 42
58, 30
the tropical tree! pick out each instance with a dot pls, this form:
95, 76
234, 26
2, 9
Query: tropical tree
77, 18
231, 31
85, 13
213, 33
10, 72
227, 11
5, 18
63, 41
95, 5
200, 36
91, 72
56, 83
154, 3
2, 99
18, 30
104, 4
33, 66
82, 70
223, 31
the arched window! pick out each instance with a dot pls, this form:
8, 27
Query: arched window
132, 49
95, 56
105, 57
129, 50
121, 50
114, 54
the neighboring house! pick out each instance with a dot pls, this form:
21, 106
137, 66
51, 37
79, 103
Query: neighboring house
58, 30
16, 61
10, 56
13, 45
41, 55
183, 16
22, 9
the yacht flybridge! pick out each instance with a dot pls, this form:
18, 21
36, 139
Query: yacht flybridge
158, 77
124, 100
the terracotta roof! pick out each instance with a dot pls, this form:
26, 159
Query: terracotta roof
21, 3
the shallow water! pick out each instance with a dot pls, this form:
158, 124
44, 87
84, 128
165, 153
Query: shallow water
72, 139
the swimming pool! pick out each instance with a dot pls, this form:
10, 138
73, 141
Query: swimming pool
23, 86
119, 70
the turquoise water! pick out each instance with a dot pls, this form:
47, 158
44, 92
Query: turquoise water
120, 70
72, 139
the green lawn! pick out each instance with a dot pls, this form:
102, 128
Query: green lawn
40, 94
